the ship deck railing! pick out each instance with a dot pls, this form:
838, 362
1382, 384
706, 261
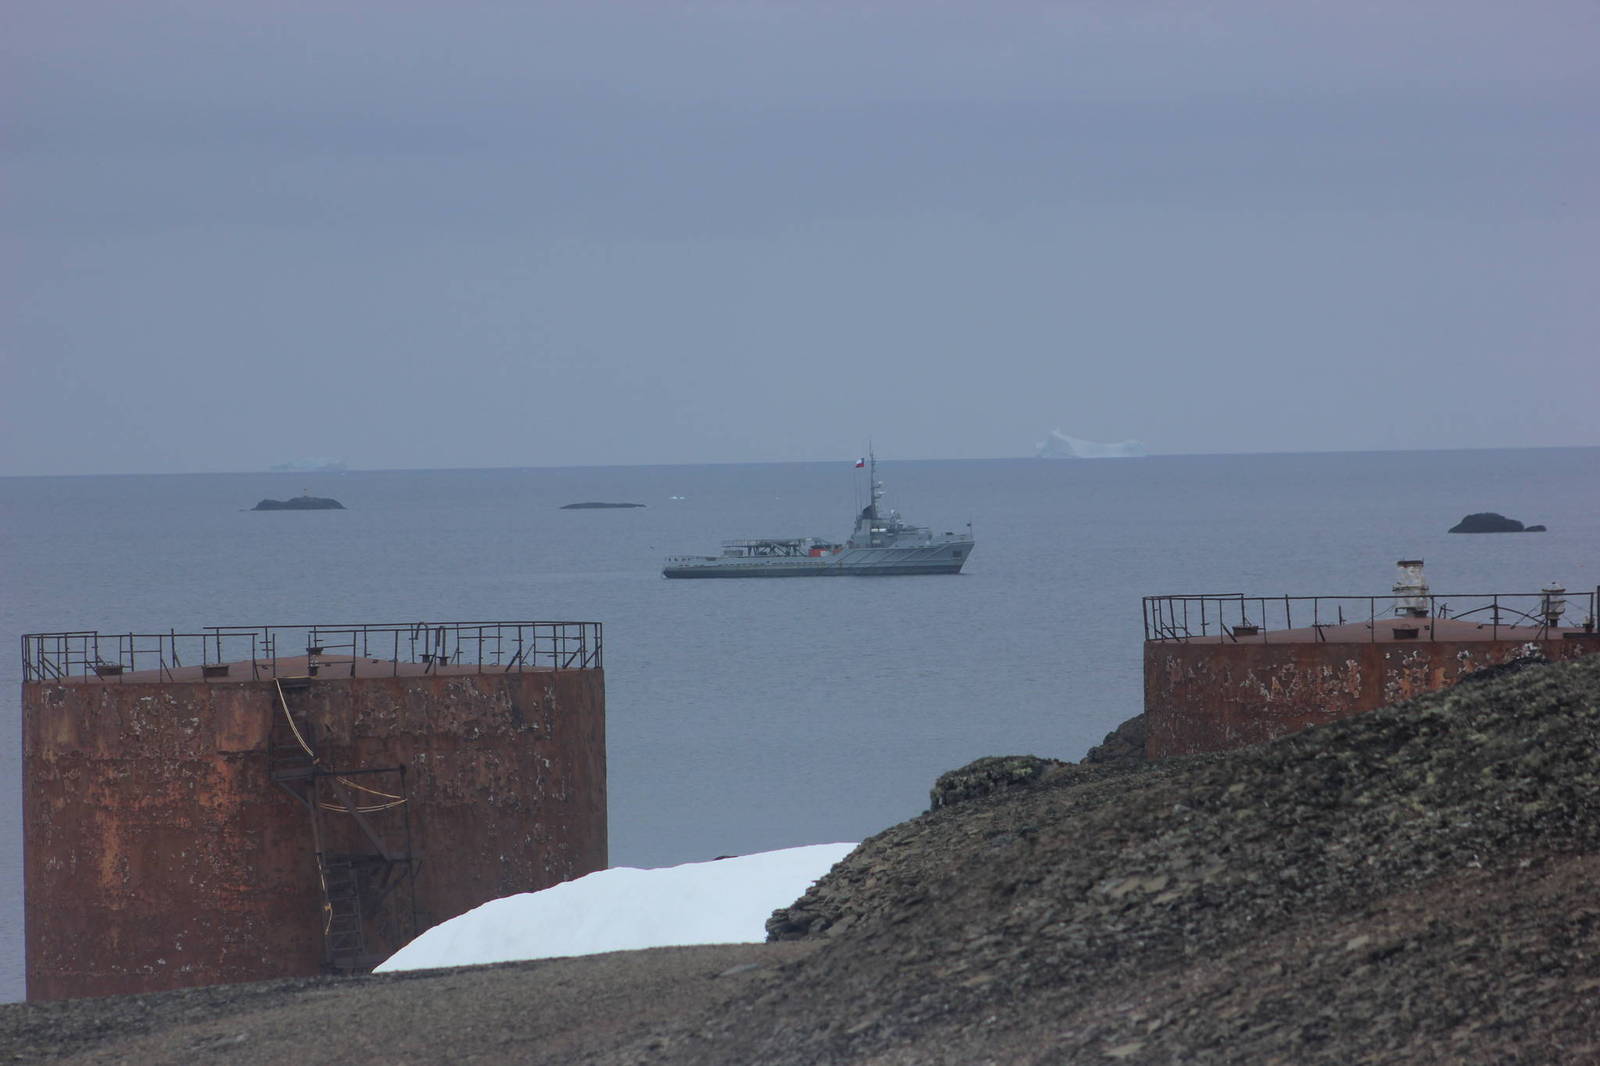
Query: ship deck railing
767, 547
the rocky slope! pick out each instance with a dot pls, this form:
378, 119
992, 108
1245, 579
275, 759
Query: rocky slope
1411, 885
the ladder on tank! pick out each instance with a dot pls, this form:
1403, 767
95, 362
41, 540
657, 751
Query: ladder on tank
357, 877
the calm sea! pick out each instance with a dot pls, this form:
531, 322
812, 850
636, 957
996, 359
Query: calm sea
750, 715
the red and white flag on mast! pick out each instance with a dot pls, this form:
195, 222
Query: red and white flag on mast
861, 462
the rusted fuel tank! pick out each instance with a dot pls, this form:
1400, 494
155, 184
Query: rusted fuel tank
1223, 672
246, 803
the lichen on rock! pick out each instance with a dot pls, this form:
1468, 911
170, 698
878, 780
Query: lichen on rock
988, 775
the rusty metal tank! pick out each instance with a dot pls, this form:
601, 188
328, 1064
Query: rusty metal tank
246, 803
1223, 672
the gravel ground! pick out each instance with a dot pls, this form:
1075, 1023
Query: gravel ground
1416, 885
548, 1011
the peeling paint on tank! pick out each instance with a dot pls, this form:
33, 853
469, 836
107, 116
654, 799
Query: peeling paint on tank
1210, 697
150, 817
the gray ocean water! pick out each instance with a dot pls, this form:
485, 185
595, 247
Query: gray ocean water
750, 715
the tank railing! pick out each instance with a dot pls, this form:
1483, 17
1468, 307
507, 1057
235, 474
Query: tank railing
1223, 618
328, 650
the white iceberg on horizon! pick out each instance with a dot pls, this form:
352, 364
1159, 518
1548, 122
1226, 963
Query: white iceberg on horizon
317, 464
1060, 446
724, 901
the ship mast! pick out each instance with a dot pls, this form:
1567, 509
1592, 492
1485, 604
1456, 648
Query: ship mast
872, 480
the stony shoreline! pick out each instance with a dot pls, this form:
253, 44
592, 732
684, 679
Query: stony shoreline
1414, 885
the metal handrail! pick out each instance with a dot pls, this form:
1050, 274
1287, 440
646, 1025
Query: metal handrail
503, 646
1225, 617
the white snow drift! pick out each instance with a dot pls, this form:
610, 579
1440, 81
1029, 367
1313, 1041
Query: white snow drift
725, 901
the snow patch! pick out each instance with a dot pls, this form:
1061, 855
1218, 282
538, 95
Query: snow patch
726, 901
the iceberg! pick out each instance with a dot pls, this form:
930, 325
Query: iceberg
315, 465
1060, 446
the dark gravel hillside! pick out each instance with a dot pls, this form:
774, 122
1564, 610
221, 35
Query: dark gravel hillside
1414, 882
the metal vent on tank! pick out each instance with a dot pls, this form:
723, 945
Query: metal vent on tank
1411, 591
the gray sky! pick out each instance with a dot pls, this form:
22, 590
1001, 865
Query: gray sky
471, 234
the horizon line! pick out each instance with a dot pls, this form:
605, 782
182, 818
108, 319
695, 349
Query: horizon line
792, 462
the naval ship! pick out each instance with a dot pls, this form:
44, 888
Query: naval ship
881, 544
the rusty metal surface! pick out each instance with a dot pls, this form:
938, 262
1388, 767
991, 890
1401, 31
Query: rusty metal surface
287, 666
1213, 697
1384, 630
159, 854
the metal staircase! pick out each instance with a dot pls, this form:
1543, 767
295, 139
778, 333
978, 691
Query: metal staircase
360, 836
344, 940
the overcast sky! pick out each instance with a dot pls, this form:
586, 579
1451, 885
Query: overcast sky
529, 234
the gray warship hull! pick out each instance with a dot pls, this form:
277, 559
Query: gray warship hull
852, 562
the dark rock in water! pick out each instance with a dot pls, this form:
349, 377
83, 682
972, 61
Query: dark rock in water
1489, 522
300, 503
595, 505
